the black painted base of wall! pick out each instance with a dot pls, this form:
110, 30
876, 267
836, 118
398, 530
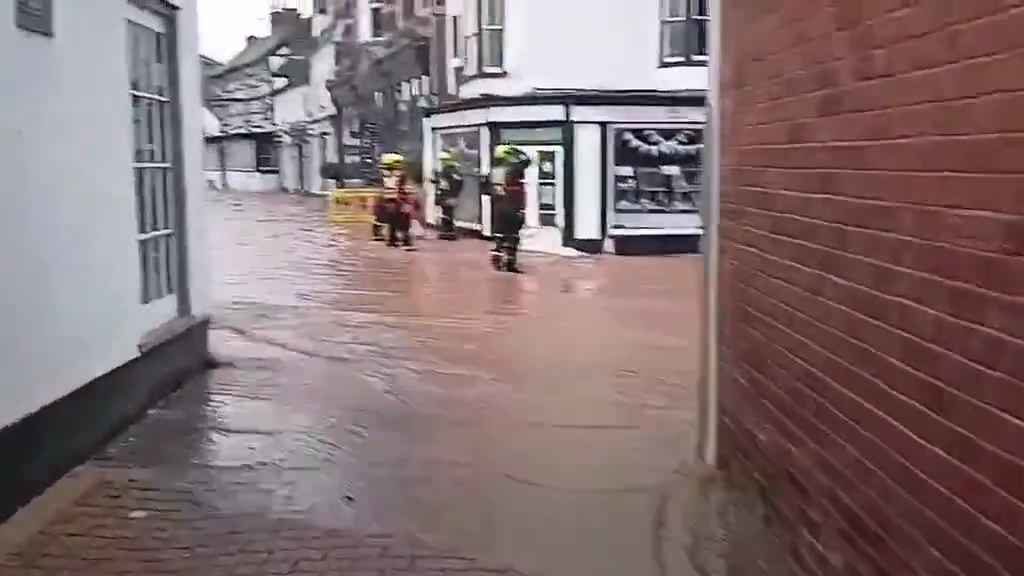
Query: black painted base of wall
651, 245
44, 446
586, 246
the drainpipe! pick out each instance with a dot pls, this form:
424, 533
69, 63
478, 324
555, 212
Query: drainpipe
707, 444
302, 169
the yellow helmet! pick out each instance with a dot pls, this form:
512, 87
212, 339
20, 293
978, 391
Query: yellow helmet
392, 161
446, 159
508, 155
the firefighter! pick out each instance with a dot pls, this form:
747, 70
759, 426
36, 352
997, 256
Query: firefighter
448, 181
392, 167
399, 205
508, 201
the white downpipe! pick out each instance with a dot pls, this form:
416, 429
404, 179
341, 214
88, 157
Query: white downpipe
708, 441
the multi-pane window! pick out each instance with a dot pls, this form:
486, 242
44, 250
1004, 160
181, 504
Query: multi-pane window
684, 31
492, 34
153, 163
485, 36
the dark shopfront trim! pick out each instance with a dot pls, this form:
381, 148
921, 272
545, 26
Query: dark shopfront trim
656, 245
688, 98
44, 446
569, 186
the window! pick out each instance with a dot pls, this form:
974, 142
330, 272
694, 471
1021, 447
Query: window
492, 17
458, 46
266, 153
657, 170
376, 19
485, 37
684, 31
154, 139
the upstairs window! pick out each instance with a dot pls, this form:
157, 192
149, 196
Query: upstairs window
485, 37
492, 35
377, 26
684, 31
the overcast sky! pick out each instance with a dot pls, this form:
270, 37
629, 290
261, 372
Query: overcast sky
225, 24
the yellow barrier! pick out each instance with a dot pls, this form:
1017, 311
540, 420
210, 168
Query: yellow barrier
353, 205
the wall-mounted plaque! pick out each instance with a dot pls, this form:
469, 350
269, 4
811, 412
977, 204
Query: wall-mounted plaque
34, 16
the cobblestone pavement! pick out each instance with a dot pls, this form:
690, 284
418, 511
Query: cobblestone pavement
384, 412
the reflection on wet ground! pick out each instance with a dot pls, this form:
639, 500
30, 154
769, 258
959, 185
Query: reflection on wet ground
543, 420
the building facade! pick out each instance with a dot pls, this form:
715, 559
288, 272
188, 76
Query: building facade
304, 112
103, 241
240, 94
607, 97
382, 85
871, 279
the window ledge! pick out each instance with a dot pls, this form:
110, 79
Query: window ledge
486, 74
684, 63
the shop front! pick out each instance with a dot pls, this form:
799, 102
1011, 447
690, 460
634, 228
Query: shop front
654, 176
604, 177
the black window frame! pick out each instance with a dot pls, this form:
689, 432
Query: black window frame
693, 21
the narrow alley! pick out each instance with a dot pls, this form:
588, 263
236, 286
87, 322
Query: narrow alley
542, 423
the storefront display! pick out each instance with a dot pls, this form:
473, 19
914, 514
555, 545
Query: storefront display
464, 146
656, 171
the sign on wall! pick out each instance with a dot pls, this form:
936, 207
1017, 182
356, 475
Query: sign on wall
34, 16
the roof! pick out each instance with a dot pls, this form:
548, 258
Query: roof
288, 29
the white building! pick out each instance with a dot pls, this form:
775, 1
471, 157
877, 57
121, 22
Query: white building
245, 154
607, 96
304, 112
102, 242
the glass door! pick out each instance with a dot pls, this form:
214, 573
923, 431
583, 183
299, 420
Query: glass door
544, 186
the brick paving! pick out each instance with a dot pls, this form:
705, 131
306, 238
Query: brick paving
130, 524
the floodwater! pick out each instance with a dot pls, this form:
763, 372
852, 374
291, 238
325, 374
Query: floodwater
543, 420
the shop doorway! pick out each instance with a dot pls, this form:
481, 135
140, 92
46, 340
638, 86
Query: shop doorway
545, 187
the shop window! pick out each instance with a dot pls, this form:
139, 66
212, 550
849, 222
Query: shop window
541, 135
657, 171
464, 145
684, 31
154, 142
266, 154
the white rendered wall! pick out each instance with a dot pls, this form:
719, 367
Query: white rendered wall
583, 45
588, 169
71, 309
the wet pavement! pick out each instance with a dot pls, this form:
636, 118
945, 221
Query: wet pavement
543, 422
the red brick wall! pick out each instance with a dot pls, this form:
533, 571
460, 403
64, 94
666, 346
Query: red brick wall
873, 278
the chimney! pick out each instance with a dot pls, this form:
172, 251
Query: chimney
283, 20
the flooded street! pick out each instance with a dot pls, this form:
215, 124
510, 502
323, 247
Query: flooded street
543, 421
534, 419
